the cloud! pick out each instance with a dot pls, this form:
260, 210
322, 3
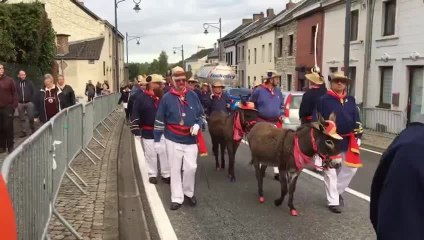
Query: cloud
164, 24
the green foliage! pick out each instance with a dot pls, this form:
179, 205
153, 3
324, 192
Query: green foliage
158, 66
26, 35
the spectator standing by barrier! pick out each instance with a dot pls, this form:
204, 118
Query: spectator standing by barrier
125, 95
105, 88
90, 90
26, 109
68, 94
48, 101
8, 104
98, 89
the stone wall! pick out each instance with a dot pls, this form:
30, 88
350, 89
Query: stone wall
286, 64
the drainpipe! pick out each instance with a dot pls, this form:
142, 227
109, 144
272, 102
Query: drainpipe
368, 46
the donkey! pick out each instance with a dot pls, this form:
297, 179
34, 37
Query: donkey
226, 132
290, 151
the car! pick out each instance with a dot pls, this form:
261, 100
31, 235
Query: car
235, 94
292, 102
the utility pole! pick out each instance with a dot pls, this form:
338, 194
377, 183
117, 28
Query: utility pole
347, 38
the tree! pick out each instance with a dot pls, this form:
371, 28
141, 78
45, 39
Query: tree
163, 63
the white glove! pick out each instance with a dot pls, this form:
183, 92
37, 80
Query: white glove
358, 141
194, 130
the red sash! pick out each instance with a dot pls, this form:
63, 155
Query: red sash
185, 131
147, 127
352, 155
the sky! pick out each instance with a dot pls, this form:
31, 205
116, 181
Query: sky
164, 24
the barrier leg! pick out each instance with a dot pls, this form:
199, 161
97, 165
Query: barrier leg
66, 224
91, 151
105, 125
100, 134
76, 184
107, 118
97, 141
76, 175
86, 154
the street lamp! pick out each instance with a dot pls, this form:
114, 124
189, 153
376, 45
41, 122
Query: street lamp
136, 9
182, 52
217, 26
130, 38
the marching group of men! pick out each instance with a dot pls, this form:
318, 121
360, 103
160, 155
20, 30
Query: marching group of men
169, 117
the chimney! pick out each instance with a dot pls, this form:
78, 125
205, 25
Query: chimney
257, 16
62, 44
270, 12
246, 20
214, 46
81, 2
290, 5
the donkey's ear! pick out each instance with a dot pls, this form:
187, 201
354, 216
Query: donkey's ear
321, 120
332, 117
316, 125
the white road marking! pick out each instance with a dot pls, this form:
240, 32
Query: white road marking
162, 222
371, 151
317, 176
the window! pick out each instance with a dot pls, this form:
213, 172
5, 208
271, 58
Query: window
289, 82
255, 55
352, 77
270, 52
313, 33
242, 77
238, 53
334, 69
189, 68
104, 68
389, 17
242, 53
263, 54
248, 80
386, 86
354, 21
254, 78
248, 56
291, 45
280, 47
90, 61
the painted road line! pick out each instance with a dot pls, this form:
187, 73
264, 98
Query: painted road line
162, 222
317, 176
371, 151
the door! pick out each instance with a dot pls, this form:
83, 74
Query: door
416, 95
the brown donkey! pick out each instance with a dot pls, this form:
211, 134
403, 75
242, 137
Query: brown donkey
290, 151
226, 132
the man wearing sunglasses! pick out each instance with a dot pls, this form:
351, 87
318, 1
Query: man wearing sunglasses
179, 118
349, 127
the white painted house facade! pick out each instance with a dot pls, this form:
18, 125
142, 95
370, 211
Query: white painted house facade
395, 89
333, 44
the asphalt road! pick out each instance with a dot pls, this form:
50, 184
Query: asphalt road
231, 210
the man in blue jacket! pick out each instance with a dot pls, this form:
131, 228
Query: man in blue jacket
349, 127
269, 101
218, 100
143, 119
179, 118
397, 190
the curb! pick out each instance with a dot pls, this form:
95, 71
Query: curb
160, 226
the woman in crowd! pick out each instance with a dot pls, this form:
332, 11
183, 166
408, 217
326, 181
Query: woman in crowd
48, 103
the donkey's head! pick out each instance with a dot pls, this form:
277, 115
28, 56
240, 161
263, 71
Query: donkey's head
248, 114
328, 141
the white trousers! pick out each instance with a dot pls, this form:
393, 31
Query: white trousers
182, 157
336, 181
151, 155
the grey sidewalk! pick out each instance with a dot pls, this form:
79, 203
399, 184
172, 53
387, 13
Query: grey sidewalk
376, 140
94, 216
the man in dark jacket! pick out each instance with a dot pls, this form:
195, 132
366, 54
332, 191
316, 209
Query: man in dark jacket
218, 100
68, 95
311, 97
90, 90
8, 104
26, 109
397, 190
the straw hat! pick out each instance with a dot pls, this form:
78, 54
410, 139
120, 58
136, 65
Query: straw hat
256, 83
338, 75
331, 130
315, 78
247, 106
218, 83
193, 80
271, 74
157, 78
178, 73
141, 79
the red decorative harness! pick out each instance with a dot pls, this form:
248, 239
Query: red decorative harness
238, 131
302, 159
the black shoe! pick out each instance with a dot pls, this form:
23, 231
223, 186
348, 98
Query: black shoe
23, 135
2, 150
175, 206
192, 201
153, 180
277, 176
166, 180
10, 150
335, 209
341, 201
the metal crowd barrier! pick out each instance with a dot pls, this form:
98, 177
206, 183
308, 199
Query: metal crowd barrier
35, 170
